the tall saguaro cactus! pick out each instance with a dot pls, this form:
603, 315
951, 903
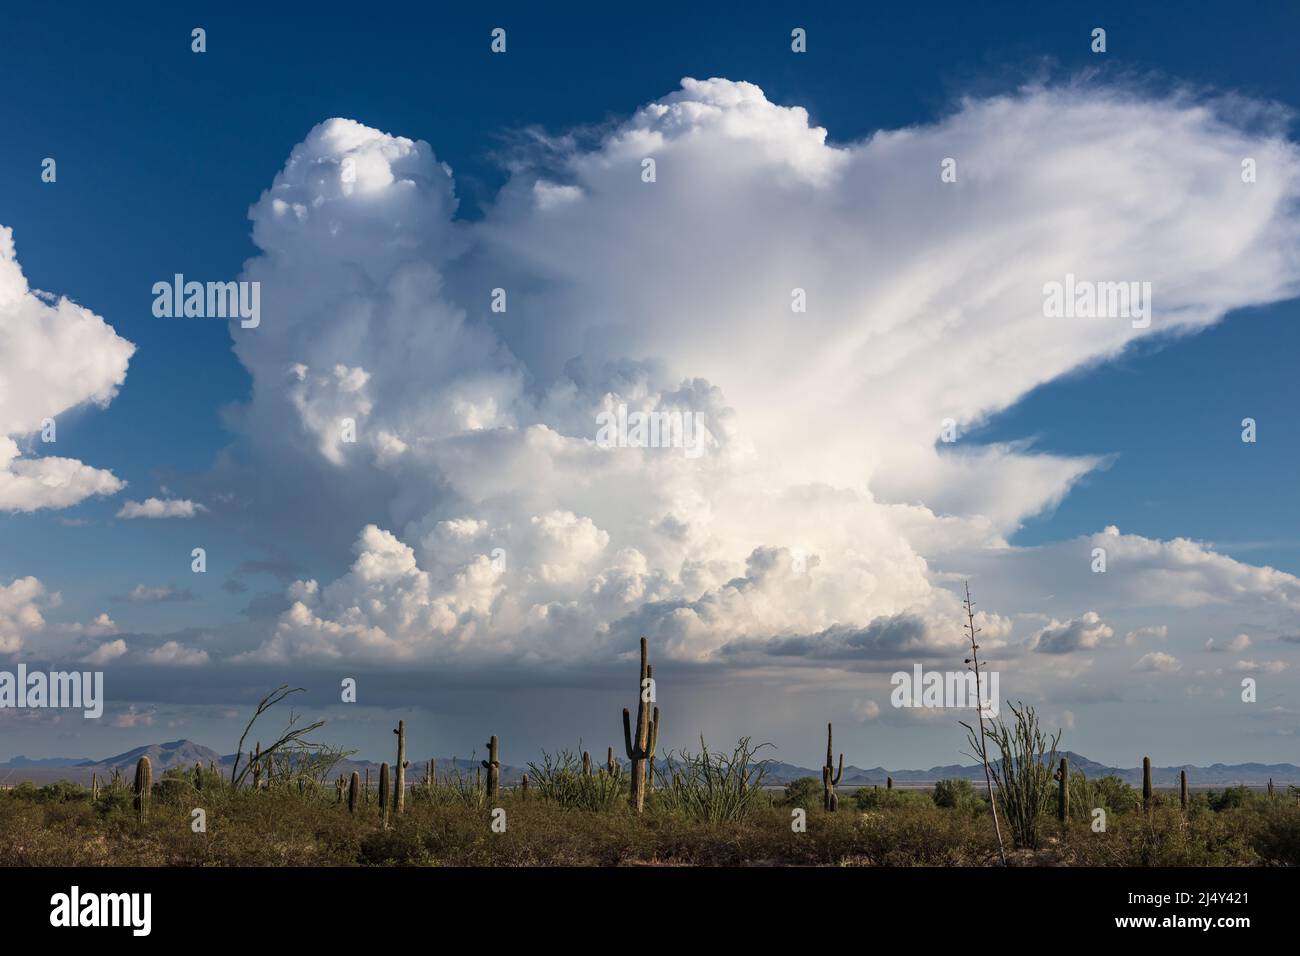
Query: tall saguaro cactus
402, 764
1146, 783
143, 788
1063, 790
1182, 788
384, 795
493, 767
831, 777
643, 745
354, 791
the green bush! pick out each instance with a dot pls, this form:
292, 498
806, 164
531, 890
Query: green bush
803, 792
957, 794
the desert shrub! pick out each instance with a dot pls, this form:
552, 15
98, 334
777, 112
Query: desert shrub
1230, 799
803, 792
873, 798
1277, 837
1022, 773
957, 794
713, 787
1109, 792
559, 779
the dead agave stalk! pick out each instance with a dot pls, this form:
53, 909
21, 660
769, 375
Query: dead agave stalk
974, 661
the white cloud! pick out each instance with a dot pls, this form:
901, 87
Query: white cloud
1156, 631
131, 718
1086, 633
175, 654
21, 602
1159, 662
157, 594
1239, 643
824, 513
106, 652
1261, 667
54, 356
159, 508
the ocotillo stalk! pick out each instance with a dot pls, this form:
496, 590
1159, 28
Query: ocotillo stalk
1063, 791
640, 747
1182, 788
1146, 783
383, 794
143, 788
493, 767
402, 764
830, 779
586, 764
354, 791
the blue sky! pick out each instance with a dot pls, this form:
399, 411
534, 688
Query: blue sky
161, 153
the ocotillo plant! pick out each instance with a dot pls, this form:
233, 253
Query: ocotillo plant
1063, 790
1146, 783
493, 767
143, 788
383, 794
830, 779
1182, 788
354, 791
646, 741
402, 764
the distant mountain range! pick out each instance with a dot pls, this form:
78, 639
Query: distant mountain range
186, 753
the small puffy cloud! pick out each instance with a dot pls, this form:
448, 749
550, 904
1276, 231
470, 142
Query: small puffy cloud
160, 508
1152, 632
864, 710
21, 602
1260, 667
1237, 644
1158, 662
156, 594
106, 652
54, 356
1086, 633
131, 717
175, 654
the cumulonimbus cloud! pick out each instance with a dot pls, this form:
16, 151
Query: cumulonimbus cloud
824, 499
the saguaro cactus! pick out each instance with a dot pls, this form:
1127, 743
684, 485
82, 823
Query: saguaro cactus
609, 762
493, 767
889, 783
143, 788
523, 786
1063, 790
586, 764
402, 764
1146, 783
1182, 788
198, 775
646, 741
831, 778
384, 795
354, 792
256, 759
94, 788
